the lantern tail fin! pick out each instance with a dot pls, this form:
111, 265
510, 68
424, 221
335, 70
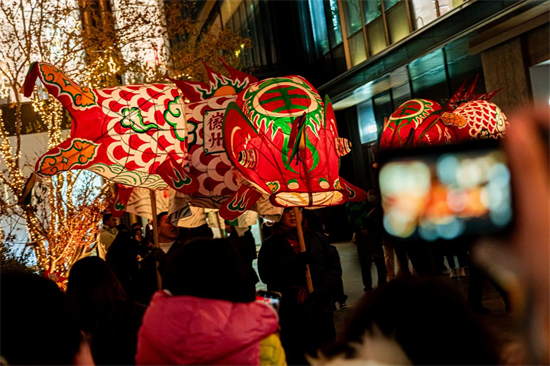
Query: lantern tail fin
71, 95
73, 153
239, 202
352, 193
30, 80
26, 195
174, 175
120, 202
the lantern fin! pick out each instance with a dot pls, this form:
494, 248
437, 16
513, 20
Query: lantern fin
120, 202
71, 95
174, 175
26, 195
353, 193
218, 84
240, 201
464, 96
73, 153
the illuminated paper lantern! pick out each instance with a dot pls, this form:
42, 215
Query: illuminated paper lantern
122, 133
424, 122
147, 136
284, 142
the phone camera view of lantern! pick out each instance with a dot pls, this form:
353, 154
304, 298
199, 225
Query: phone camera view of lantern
446, 196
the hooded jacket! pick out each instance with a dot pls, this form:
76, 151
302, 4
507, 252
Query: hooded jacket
182, 330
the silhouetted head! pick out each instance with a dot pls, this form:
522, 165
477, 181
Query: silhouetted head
39, 327
94, 288
109, 220
167, 231
137, 235
429, 320
209, 269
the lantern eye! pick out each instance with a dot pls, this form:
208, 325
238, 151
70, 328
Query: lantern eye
343, 146
248, 158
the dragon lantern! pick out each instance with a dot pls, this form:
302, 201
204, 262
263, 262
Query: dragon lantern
233, 143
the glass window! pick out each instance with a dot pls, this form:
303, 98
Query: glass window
462, 66
376, 36
247, 56
263, 24
339, 59
382, 107
372, 9
353, 16
389, 3
244, 22
398, 22
400, 94
448, 5
334, 29
424, 12
236, 22
258, 22
319, 27
368, 130
428, 76
254, 33
357, 48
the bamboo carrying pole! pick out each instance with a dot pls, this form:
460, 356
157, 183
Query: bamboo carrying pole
298, 216
153, 196
222, 231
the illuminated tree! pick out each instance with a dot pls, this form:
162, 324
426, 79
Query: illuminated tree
98, 43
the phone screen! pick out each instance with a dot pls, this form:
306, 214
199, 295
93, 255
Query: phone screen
270, 297
446, 195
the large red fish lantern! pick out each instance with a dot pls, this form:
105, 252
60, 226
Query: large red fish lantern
148, 136
424, 122
284, 141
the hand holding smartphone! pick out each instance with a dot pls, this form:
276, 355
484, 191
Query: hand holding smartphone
445, 192
271, 297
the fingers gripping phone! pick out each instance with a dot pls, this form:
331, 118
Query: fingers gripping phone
271, 297
446, 192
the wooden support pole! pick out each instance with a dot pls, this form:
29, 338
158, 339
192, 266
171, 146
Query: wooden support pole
301, 241
222, 231
156, 243
153, 196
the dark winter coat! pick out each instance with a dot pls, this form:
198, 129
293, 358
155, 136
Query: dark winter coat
283, 271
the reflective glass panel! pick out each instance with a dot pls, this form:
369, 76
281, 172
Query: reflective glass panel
353, 16
390, 3
424, 12
367, 123
448, 5
372, 9
382, 107
398, 22
428, 77
357, 48
400, 94
376, 36
334, 29
319, 27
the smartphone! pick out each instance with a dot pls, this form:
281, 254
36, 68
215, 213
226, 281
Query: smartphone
271, 297
446, 192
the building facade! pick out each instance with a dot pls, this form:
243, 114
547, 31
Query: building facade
370, 56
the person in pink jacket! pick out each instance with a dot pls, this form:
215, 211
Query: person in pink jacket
207, 313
